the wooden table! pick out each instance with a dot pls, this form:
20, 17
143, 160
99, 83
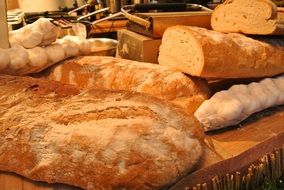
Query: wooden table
240, 147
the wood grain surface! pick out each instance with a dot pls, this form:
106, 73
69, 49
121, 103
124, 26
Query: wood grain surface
257, 129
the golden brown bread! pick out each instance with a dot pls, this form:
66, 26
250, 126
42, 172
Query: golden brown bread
211, 54
93, 139
249, 17
121, 74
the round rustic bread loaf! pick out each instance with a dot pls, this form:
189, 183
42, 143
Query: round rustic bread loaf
94, 139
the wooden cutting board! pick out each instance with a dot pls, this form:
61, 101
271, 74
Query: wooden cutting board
240, 146
258, 128
263, 129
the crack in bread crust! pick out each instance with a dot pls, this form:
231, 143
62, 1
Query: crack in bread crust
108, 113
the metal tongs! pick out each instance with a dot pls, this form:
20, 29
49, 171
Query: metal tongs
89, 14
79, 25
94, 13
172, 7
146, 7
109, 17
78, 9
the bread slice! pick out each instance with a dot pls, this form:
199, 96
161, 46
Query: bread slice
210, 54
248, 17
94, 139
120, 74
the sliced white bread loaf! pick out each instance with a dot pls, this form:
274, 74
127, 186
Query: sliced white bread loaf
210, 54
248, 17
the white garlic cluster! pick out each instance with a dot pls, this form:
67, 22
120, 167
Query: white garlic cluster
229, 107
36, 47
40, 33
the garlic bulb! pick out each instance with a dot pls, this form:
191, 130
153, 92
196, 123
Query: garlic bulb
38, 57
55, 53
19, 57
40, 33
49, 30
83, 44
229, 107
71, 49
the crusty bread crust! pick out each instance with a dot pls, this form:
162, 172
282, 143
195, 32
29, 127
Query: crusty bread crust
248, 17
94, 139
221, 55
120, 74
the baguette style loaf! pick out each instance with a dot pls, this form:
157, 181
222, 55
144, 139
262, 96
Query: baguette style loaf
94, 139
230, 107
120, 74
211, 54
248, 17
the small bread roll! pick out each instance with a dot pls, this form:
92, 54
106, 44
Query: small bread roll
19, 57
4, 58
55, 53
38, 57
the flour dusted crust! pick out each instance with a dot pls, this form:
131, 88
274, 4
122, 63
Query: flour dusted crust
94, 139
114, 73
230, 107
248, 17
211, 54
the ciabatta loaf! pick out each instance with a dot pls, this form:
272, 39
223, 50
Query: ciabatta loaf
248, 17
93, 139
211, 54
230, 107
121, 74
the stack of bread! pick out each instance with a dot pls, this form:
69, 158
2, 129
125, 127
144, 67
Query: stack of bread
226, 53
110, 123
